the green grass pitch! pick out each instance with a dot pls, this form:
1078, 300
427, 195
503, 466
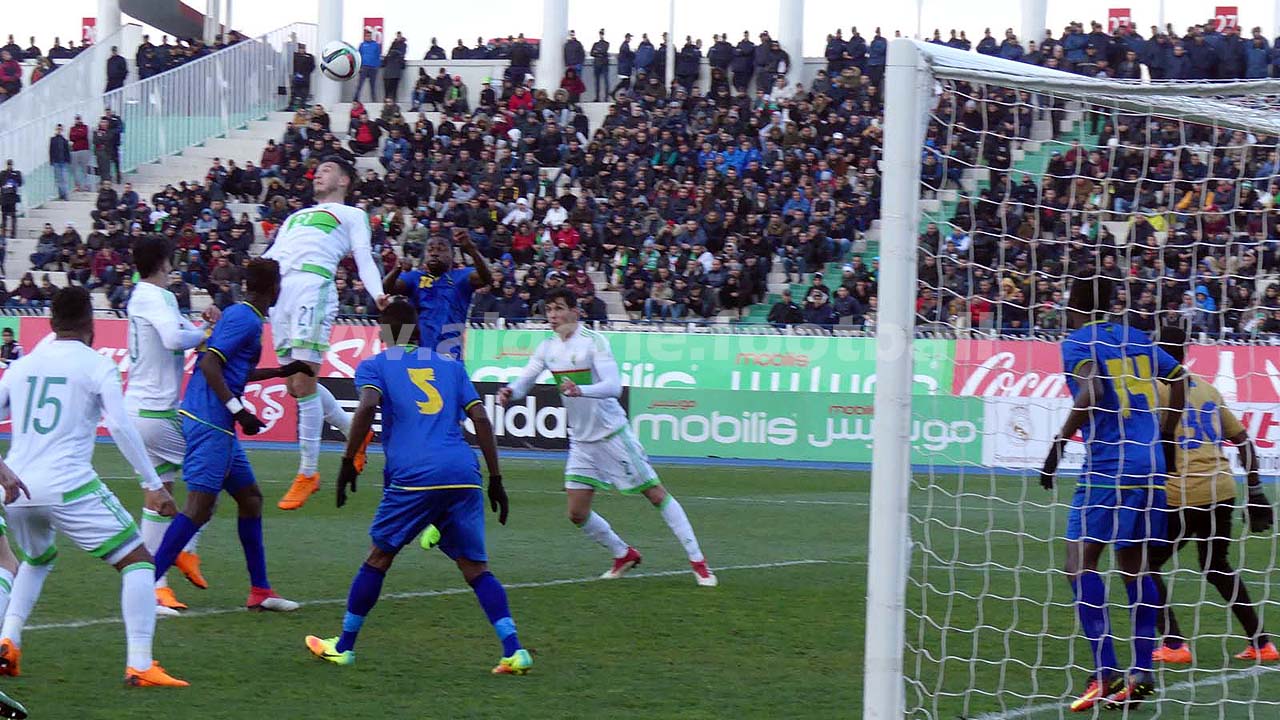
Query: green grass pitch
780, 638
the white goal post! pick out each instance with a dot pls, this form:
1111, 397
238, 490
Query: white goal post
915, 75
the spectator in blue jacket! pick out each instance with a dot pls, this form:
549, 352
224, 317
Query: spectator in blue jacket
1204, 59
626, 65
1010, 49
876, 54
987, 45
370, 61
644, 54
1178, 65
744, 60
1257, 59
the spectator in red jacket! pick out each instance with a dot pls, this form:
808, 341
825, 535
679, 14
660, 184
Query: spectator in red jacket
11, 76
521, 100
573, 85
81, 155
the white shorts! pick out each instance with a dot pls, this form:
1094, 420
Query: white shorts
90, 516
302, 317
618, 462
161, 433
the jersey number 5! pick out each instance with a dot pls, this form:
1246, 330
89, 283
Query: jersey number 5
44, 401
1131, 377
423, 377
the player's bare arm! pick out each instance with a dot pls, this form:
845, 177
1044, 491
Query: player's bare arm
489, 448
1091, 389
482, 276
392, 284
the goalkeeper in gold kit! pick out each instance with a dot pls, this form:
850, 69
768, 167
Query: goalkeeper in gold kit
1201, 499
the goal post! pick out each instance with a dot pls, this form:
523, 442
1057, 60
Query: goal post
1002, 183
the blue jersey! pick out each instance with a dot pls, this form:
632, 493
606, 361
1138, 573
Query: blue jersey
442, 304
237, 339
425, 398
1121, 434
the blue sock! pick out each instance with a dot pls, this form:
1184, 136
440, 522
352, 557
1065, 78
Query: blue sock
365, 588
180, 532
1091, 604
1144, 599
255, 556
493, 599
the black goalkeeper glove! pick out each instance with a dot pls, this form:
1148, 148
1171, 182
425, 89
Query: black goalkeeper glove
249, 422
1258, 512
498, 498
295, 367
346, 476
1050, 467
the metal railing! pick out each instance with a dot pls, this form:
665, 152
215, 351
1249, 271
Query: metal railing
84, 76
166, 113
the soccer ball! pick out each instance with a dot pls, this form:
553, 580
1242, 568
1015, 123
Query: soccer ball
339, 61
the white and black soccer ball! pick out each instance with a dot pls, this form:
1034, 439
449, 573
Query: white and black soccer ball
339, 61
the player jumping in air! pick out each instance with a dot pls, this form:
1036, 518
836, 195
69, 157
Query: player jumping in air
431, 477
1112, 372
442, 294
1202, 497
214, 460
55, 397
603, 451
308, 248
158, 335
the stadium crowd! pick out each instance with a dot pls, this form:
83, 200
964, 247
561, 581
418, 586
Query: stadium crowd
690, 194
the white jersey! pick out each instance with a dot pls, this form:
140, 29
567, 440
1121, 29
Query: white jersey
158, 335
55, 397
315, 239
586, 359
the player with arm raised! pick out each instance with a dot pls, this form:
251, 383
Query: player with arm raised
1202, 498
214, 459
431, 477
158, 337
55, 397
308, 248
1112, 372
603, 450
441, 294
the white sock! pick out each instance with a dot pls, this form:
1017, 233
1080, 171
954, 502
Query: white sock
598, 529
27, 586
310, 421
153, 527
138, 605
195, 539
333, 412
6, 587
679, 524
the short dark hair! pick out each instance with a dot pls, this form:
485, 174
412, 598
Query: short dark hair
347, 168
71, 309
569, 297
1173, 340
261, 274
398, 315
149, 253
1091, 295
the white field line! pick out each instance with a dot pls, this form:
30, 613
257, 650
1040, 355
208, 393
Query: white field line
116, 620
1221, 679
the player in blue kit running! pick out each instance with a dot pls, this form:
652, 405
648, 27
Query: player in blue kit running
441, 294
214, 460
1112, 372
431, 478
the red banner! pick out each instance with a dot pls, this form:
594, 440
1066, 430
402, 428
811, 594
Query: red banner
1031, 369
88, 29
374, 25
268, 399
1118, 18
1225, 16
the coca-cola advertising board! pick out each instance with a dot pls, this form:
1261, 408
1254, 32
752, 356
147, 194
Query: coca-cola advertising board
1033, 369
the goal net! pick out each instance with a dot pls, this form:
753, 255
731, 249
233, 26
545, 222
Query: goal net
1003, 184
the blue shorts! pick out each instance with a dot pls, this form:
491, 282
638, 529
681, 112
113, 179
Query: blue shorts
458, 513
214, 460
1125, 517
